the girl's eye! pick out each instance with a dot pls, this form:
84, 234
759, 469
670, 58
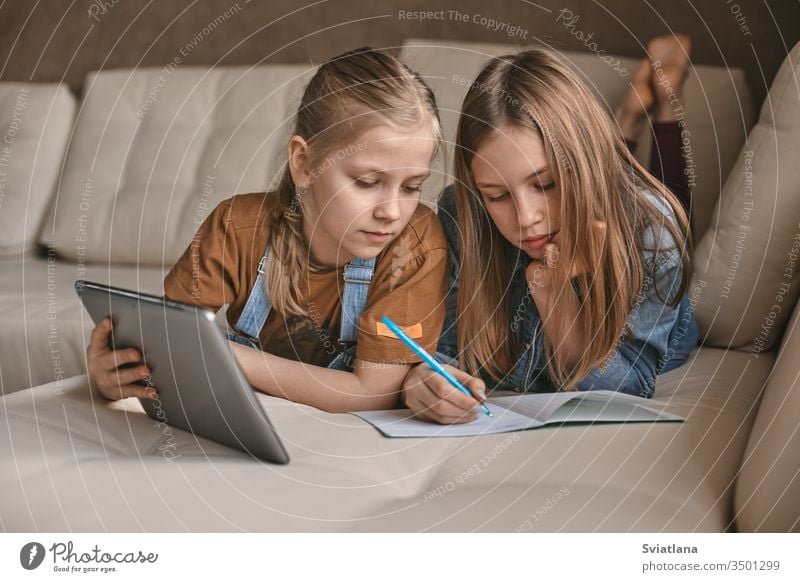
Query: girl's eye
498, 198
412, 189
364, 183
545, 187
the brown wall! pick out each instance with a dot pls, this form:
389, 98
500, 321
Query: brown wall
55, 39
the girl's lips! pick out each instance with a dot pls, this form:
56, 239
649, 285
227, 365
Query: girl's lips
537, 243
377, 237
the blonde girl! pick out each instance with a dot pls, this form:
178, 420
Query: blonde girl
570, 260
308, 270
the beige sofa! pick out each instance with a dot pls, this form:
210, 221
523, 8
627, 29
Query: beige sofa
112, 190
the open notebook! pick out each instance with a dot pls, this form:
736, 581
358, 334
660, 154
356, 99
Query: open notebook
526, 411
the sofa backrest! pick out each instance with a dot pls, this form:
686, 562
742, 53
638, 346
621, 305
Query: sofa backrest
35, 125
716, 101
155, 150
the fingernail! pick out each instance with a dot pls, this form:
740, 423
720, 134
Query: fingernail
482, 396
153, 395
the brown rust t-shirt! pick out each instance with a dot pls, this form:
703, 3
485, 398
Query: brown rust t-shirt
409, 285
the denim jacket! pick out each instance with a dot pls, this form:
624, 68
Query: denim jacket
661, 337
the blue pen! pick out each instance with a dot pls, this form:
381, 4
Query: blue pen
429, 359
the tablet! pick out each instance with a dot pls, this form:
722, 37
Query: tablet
201, 387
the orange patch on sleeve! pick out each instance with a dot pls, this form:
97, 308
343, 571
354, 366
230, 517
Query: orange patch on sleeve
412, 331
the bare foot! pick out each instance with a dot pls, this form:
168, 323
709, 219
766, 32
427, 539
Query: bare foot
670, 61
637, 102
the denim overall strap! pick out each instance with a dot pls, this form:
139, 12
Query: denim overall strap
357, 278
255, 312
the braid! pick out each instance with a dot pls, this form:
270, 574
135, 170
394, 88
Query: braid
289, 255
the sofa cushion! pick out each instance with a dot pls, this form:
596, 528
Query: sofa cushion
64, 453
717, 105
747, 264
35, 125
155, 150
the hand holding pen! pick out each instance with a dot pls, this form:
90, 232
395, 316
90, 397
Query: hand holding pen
431, 396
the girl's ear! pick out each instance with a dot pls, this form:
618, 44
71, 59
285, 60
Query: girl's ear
298, 160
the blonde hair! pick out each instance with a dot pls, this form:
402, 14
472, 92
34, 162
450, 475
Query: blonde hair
344, 96
598, 179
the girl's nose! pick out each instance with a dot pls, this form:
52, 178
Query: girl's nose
388, 209
529, 214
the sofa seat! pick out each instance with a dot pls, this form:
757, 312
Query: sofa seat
45, 328
72, 461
